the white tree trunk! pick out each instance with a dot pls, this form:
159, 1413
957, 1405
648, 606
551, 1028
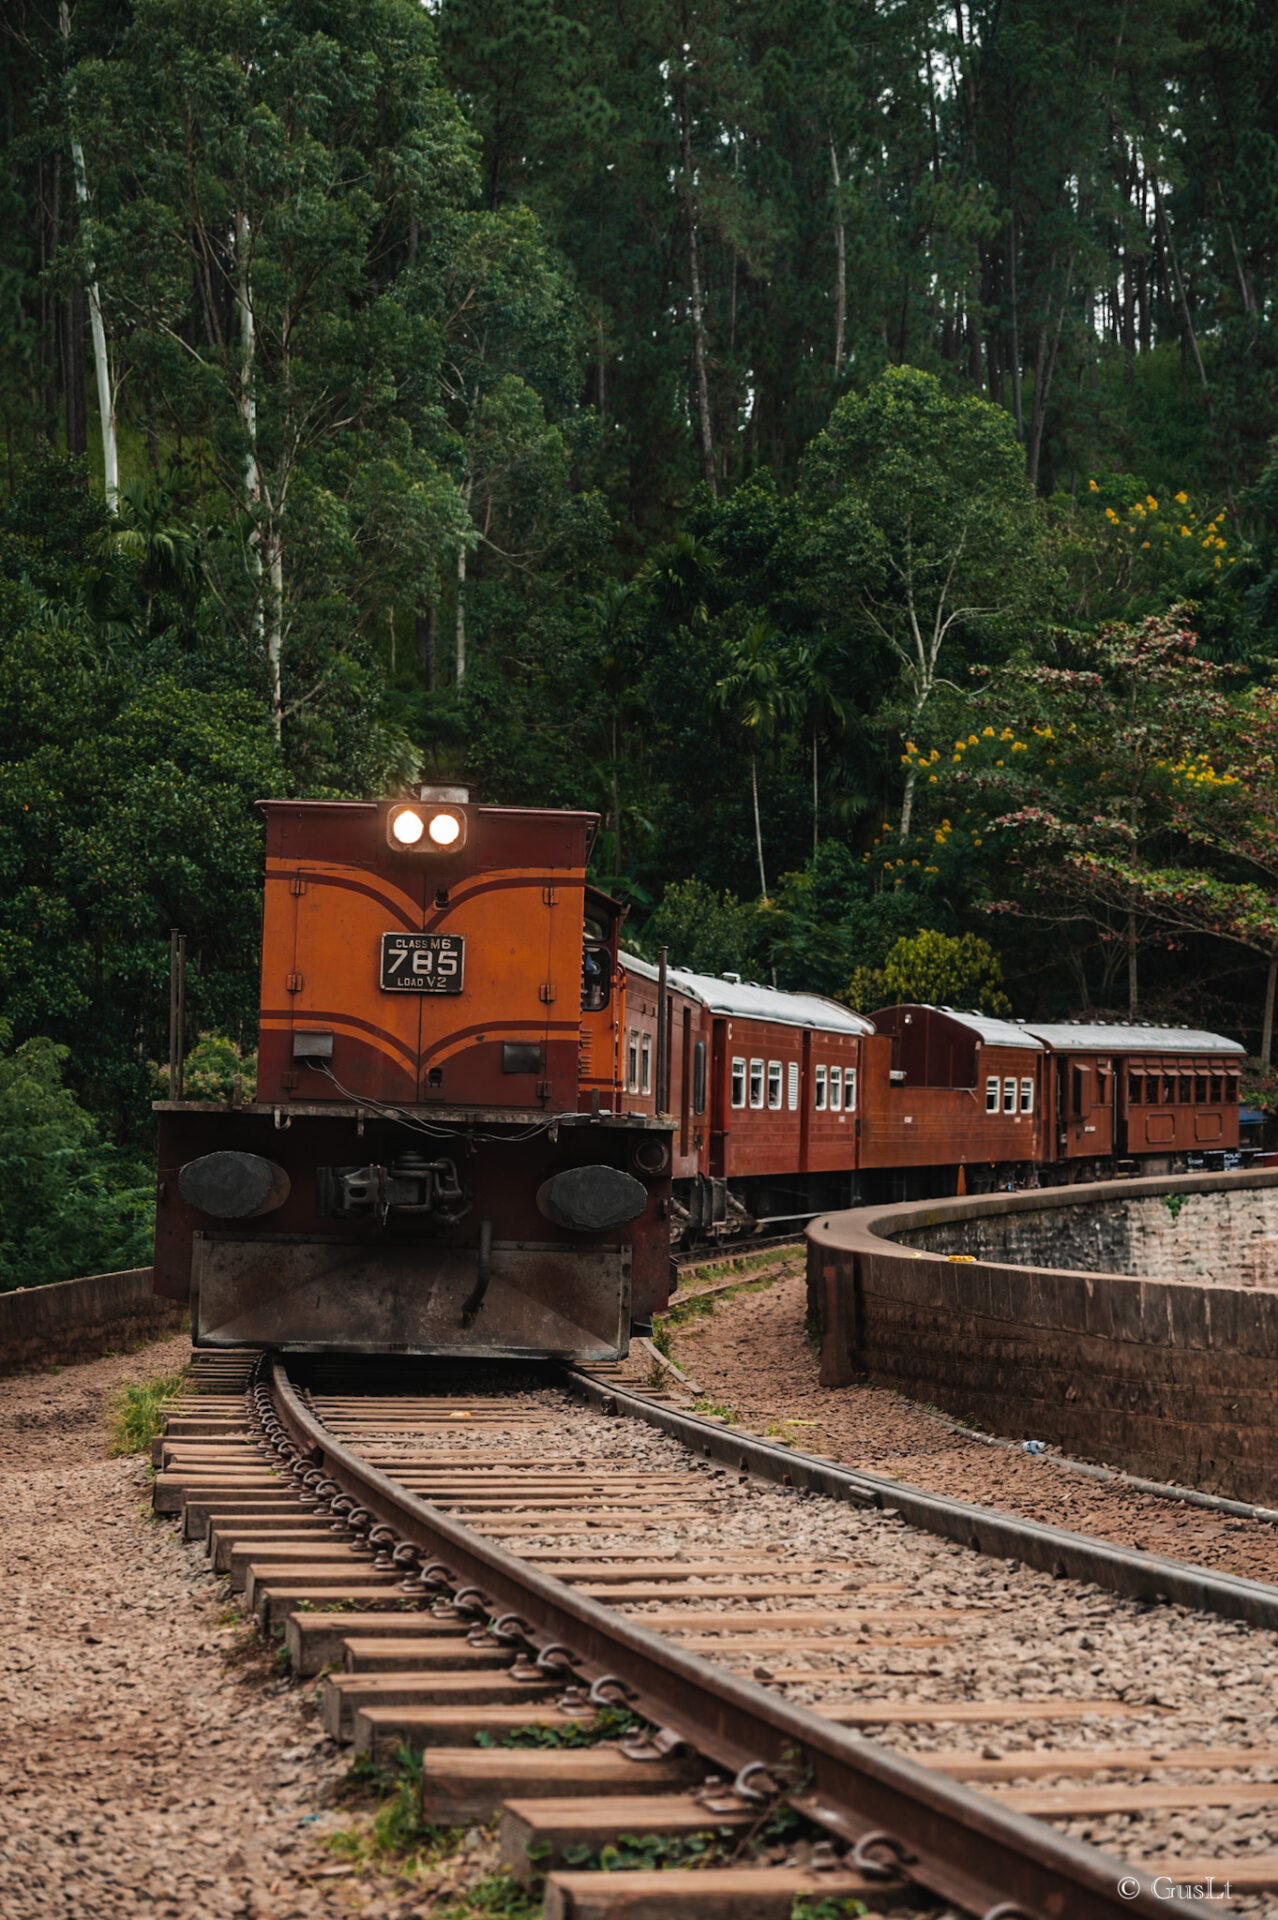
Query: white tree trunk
816, 795
758, 826
274, 624
840, 264
1267, 1028
101, 359
461, 613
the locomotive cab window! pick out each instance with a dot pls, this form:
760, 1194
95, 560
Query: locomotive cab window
849, 1089
836, 1089
1009, 1095
819, 1090
596, 977
1078, 1077
632, 1062
991, 1094
774, 1085
1027, 1096
756, 1083
738, 1082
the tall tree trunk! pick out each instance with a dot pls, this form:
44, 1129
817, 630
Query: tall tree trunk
705, 434
758, 825
1191, 338
101, 362
907, 803
1267, 1025
616, 796
1045, 368
273, 549
816, 795
840, 264
1133, 981
1017, 413
426, 626
460, 628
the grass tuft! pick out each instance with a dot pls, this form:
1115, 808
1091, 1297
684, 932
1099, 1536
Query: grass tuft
139, 1409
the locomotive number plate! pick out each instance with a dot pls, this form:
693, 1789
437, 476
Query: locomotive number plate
422, 962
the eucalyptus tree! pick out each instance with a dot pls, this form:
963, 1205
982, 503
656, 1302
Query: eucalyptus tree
263, 176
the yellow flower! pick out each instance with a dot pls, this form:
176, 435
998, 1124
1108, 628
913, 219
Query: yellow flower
931, 780
1093, 486
1207, 541
957, 757
1111, 515
1182, 499
1184, 533
1143, 545
1018, 746
987, 733
998, 763
972, 740
1137, 508
1153, 503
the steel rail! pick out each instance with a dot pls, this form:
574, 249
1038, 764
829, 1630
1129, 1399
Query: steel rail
1054, 1550
951, 1840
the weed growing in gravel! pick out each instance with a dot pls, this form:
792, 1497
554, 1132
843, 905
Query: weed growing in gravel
715, 1410
138, 1411
608, 1724
806, 1909
500, 1897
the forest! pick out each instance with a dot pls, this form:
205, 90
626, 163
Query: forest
833, 440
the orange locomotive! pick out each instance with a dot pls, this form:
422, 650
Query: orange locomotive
434, 1162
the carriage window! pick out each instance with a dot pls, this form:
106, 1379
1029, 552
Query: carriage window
632, 1062
699, 1078
1169, 1090
792, 1086
1076, 1091
836, 1089
1217, 1090
645, 1064
1200, 1090
1233, 1089
1185, 1090
819, 1084
1102, 1086
849, 1089
774, 1084
1027, 1096
1009, 1096
756, 1083
1152, 1086
991, 1094
738, 1083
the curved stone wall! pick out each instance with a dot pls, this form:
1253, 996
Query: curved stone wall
1132, 1322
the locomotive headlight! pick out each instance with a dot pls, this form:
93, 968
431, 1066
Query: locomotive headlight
445, 829
407, 826
424, 827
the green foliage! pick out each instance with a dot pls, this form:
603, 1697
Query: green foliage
214, 1069
705, 931
79, 1206
806, 1908
935, 969
610, 1723
139, 1410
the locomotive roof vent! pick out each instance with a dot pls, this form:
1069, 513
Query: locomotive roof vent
445, 796
734, 979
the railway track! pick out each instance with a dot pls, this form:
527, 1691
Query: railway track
804, 1660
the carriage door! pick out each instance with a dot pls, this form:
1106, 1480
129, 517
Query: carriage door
1105, 1091
720, 1119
